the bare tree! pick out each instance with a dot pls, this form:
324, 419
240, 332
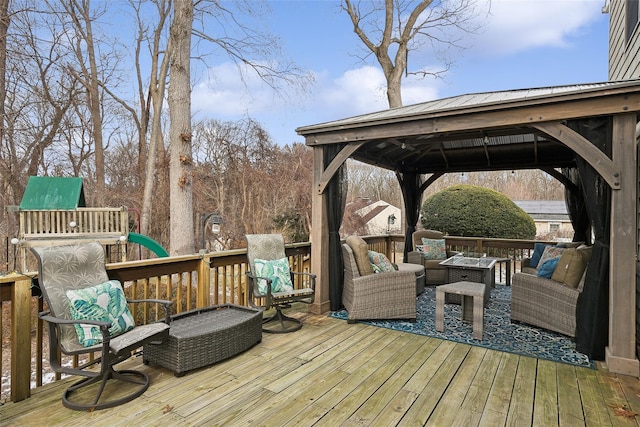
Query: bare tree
240, 173
82, 17
40, 93
4, 29
180, 184
64, 76
390, 29
150, 96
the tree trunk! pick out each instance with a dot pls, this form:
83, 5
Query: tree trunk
4, 29
156, 91
82, 19
180, 163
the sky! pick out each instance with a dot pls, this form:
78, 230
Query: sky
523, 44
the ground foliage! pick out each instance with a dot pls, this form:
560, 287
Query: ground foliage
467, 210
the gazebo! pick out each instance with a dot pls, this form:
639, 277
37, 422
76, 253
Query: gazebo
583, 135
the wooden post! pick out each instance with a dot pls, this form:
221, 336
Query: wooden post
319, 237
621, 352
204, 284
21, 335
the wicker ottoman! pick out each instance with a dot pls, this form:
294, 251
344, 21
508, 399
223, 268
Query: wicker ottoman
202, 337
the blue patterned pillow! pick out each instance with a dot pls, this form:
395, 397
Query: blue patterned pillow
104, 302
278, 271
379, 262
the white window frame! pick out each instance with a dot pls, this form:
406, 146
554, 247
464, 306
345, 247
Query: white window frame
554, 226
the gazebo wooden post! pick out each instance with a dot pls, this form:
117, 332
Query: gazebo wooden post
319, 236
621, 352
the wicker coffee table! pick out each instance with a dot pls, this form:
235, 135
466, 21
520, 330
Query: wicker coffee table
202, 337
472, 304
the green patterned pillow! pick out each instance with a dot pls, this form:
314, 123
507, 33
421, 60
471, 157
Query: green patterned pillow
379, 262
104, 302
278, 271
433, 249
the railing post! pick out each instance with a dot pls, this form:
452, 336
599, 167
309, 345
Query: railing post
389, 248
479, 246
204, 283
21, 340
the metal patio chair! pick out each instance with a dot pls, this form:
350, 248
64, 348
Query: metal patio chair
70, 277
265, 290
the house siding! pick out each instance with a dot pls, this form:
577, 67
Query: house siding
624, 61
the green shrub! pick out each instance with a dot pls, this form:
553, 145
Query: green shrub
467, 210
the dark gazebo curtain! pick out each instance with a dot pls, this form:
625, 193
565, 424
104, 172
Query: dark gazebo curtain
592, 313
576, 207
410, 186
336, 195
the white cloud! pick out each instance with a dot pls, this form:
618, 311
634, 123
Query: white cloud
519, 25
225, 95
229, 91
416, 90
360, 90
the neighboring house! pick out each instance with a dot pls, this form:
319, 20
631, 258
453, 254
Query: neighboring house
624, 39
550, 216
365, 217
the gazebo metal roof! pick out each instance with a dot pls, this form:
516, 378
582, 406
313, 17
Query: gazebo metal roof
474, 132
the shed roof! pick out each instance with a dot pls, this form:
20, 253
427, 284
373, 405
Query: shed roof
53, 192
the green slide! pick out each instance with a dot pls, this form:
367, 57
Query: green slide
148, 243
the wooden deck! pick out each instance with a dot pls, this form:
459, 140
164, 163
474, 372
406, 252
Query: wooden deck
330, 373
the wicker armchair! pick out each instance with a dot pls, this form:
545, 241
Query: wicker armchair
390, 295
435, 274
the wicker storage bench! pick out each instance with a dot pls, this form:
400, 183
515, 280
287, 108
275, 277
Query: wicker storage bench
202, 337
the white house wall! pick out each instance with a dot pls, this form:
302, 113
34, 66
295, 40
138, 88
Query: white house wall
378, 224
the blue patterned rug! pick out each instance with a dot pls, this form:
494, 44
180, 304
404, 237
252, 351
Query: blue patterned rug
499, 333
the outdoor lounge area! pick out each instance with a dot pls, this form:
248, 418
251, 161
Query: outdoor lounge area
333, 373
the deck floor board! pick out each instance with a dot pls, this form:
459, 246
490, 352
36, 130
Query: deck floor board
336, 374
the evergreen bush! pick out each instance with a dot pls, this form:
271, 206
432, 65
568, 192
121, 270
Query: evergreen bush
467, 210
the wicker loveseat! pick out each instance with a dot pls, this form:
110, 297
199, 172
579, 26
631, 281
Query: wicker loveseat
546, 303
388, 295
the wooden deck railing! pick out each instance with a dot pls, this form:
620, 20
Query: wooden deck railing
193, 281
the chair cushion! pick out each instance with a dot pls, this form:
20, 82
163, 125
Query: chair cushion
104, 302
361, 254
571, 266
278, 271
433, 249
380, 263
547, 268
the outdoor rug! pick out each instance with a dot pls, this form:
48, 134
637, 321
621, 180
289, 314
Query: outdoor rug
499, 333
